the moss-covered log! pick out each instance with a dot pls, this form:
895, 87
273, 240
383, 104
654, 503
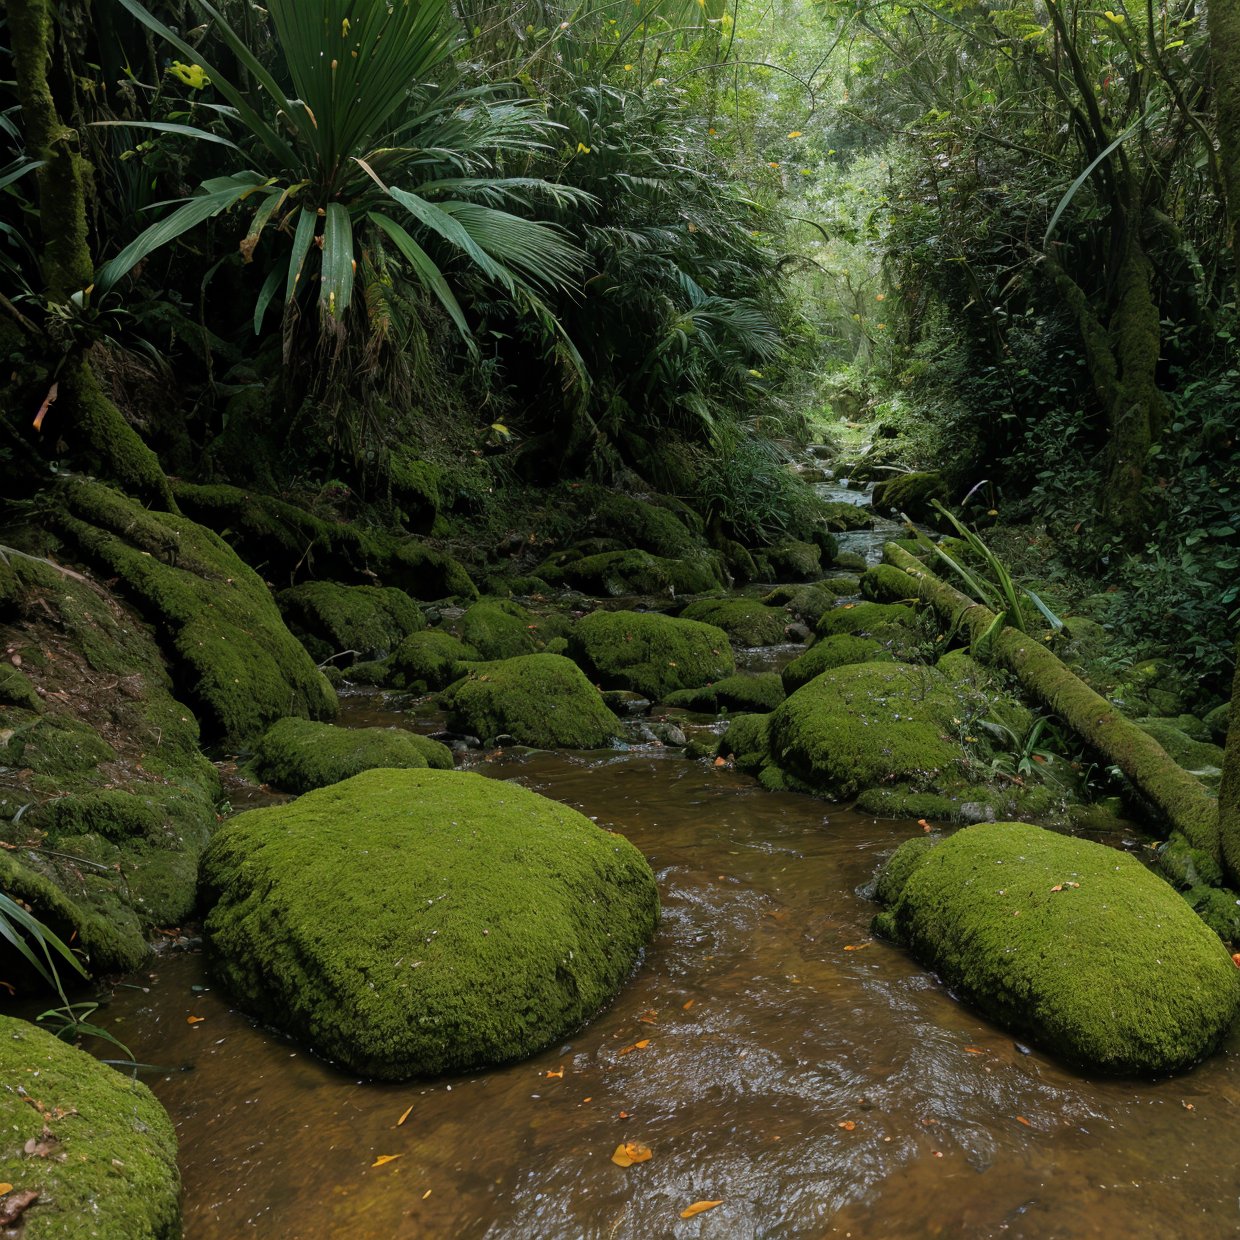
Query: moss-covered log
1177, 794
1229, 791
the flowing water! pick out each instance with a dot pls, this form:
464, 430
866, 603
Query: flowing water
811, 1078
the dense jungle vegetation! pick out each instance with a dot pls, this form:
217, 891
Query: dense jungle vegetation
364, 345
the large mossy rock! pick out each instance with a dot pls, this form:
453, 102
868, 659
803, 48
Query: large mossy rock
761, 691
330, 619
1072, 944
620, 573
647, 526
912, 494
867, 724
653, 654
542, 700
832, 652
407, 923
297, 755
110, 1169
746, 621
429, 660
231, 654
864, 619
502, 629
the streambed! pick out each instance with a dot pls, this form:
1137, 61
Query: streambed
813, 1079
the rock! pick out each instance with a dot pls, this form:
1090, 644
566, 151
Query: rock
850, 562
793, 561
643, 525
670, 734
544, 700
329, 618
746, 622
104, 1160
498, 629
912, 495
976, 811
862, 619
1202, 759
841, 516
430, 660
618, 573
746, 742
746, 691
651, 654
297, 755
624, 702
1073, 944
408, 923
1217, 721
798, 631
806, 602
838, 651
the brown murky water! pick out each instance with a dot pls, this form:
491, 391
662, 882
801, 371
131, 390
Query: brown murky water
814, 1080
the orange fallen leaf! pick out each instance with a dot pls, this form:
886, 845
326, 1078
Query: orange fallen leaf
426, 1194
1235, 959
555, 1073
1020, 1119
684, 1007
1188, 1106
624, 1115
847, 1124
855, 947
194, 1020
721, 761
625, 1050
641, 1046
923, 824
384, 1159
6, 1188
974, 1050
649, 1017
1057, 887
700, 1207
405, 1116
630, 1152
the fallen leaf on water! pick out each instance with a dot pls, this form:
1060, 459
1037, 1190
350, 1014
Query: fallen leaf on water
649, 1016
684, 1007
1020, 1119
641, 1046
426, 1194
624, 1115
855, 947
12, 1208
1188, 1106
630, 1152
555, 1073
974, 1050
406, 1115
383, 1159
847, 1124
923, 824
700, 1207
721, 761
194, 1020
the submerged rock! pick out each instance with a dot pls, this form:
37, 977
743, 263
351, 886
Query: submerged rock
651, 654
543, 700
1073, 944
104, 1160
408, 923
297, 755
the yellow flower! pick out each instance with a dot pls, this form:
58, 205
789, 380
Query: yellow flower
796, 133
880, 296
757, 374
712, 131
194, 76
772, 164
1117, 18
628, 68
882, 327
582, 149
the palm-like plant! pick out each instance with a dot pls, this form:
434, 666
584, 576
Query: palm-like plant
344, 148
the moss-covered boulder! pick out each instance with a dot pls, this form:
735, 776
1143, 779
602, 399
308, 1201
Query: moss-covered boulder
1072, 944
407, 923
746, 621
791, 561
499, 629
105, 1162
297, 755
912, 494
867, 724
863, 619
746, 742
637, 523
840, 516
619, 573
653, 654
761, 691
429, 660
543, 700
806, 602
360, 623
830, 652
232, 656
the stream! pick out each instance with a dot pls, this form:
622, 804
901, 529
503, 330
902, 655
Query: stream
771, 1053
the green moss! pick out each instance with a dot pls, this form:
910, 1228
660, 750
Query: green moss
543, 700
408, 923
1202, 759
760, 692
850, 562
1116, 974
499, 630
416, 490
831, 652
911, 494
636, 523
737, 560
618, 573
746, 622
1184, 866
113, 1169
901, 800
238, 664
806, 602
297, 755
1219, 908
426, 573
863, 618
841, 516
899, 868
866, 724
54, 745
331, 619
430, 659
746, 742
653, 654
883, 582
793, 561
16, 690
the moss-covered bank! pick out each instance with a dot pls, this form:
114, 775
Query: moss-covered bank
406, 923
1073, 944
110, 1170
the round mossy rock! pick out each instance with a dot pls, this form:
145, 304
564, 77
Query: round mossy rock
431, 658
745, 621
543, 700
110, 1169
1070, 943
408, 923
367, 622
829, 652
862, 619
653, 654
297, 755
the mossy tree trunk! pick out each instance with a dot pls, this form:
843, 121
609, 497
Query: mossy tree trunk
1229, 791
99, 432
1225, 63
1179, 796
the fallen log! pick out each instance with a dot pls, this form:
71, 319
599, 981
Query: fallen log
1179, 795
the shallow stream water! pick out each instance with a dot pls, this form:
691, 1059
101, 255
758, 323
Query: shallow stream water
811, 1078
